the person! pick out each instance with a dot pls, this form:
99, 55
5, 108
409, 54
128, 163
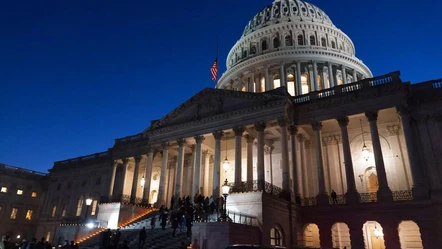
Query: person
142, 238
182, 223
183, 246
153, 222
334, 197
117, 238
3, 243
40, 244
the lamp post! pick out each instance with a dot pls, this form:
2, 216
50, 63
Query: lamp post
88, 203
226, 189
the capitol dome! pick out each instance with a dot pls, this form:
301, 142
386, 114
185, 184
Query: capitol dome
286, 44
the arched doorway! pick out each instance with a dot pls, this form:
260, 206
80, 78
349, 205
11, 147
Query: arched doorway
373, 235
291, 84
276, 238
371, 178
341, 236
153, 196
410, 235
276, 81
311, 236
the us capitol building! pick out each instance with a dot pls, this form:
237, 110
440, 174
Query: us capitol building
295, 117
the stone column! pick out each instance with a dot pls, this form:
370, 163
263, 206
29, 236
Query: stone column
252, 82
133, 193
260, 127
391, 235
344, 74
335, 75
352, 194
190, 173
419, 189
284, 155
298, 78
330, 75
205, 179
355, 75
179, 171
148, 174
196, 173
282, 75
322, 197
268, 84
217, 164
249, 140
123, 182
302, 174
315, 76
296, 188
268, 150
164, 162
384, 192
238, 147
112, 180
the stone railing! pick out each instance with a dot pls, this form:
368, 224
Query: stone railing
252, 186
84, 158
19, 170
402, 195
234, 217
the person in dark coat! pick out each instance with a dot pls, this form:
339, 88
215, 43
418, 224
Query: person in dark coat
164, 220
175, 221
142, 238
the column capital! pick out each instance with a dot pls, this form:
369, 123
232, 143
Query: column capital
126, 160
402, 111
138, 158
239, 130
165, 145
293, 130
343, 121
218, 135
300, 138
181, 142
206, 152
268, 149
116, 162
393, 130
372, 115
317, 125
249, 138
199, 139
192, 147
150, 149
260, 127
282, 121
282, 63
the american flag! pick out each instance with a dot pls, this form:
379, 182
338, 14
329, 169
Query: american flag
214, 70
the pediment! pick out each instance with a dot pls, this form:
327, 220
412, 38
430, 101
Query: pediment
210, 102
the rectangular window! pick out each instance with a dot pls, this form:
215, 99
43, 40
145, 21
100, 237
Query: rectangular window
14, 213
48, 235
79, 206
34, 194
19, 192
94, 207
63, 212
54, 210
29, 214
4, 190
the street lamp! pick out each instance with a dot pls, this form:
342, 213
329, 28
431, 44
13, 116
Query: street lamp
226, 189
88, 203
143, 181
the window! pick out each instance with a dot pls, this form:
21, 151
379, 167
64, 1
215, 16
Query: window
54, 210
48, 235
263, 85
291, 84
79, 206
312, 40
264, 45
244, 54
276, 82
19, 192
29, 214
333, 44
94, 207
276, 42
1, 211
304, 83
323, 42
63, 212
4, 190
275, 237
253, 50
98, 182
34, 194
14, 213
300, 40
288, 41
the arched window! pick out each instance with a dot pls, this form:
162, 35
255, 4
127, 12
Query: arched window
291, 84
333, 44
340, 47
276, 42
243, 88
300, 40
253, 50
79, 206
244, 54
323, 42
263, 85
312, 40
264, 45
288, 41
275, 237
304, 83
276, 81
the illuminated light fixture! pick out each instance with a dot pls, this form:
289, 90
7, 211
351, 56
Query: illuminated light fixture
143, 181
226, 163
18, 236
377, 233
88, 201
365, 151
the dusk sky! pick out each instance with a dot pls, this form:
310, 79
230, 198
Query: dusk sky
75, 75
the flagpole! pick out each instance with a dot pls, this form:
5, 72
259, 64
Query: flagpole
217, 61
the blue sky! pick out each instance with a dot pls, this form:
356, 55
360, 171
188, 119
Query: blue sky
75, 75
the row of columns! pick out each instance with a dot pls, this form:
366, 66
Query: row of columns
323, 69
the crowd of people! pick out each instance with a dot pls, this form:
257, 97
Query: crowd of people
7, 243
